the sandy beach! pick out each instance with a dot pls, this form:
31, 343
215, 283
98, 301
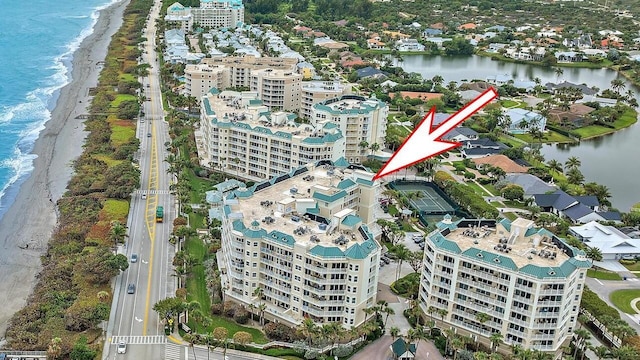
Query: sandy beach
28, 224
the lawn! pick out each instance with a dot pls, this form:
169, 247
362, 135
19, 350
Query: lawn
106, 159
509, 103
393, 210
233, 327
121, 134
397, 130
549, 137
627, 119
603, 275
622, 299
511, 216
634, 267
514, 204
477, 188
510, 141
122, 97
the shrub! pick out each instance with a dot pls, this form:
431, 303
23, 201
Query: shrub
343, 350
596, 306
311, 354
229, 308
241, 315
627, 262
217, 309
279, 332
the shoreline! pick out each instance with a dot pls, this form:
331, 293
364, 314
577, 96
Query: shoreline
31, 219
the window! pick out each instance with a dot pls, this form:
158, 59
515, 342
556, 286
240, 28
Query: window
255, 243
295, 298
298, 268
298, 257
296, 288
255, 254
254, 265
296, 278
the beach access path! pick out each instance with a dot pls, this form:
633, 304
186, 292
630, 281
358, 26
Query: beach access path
29, 223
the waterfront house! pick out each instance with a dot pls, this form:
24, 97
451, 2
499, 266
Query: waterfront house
500, 79
569, 56
370, 72
428, 33
523, 120
531, 184
565, 84
409, 45
578, 209
576, 114
502, 162
613, 244
438, 41
461, 134
481, 147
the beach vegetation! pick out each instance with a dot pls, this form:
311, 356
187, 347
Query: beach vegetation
115, 209
73, 294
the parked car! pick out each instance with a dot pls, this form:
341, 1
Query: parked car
134, 258
122, 347
392, 256
381, 263
386, 260
131, 289
418, 240
421, 245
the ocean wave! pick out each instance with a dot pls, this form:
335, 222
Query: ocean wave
19, 165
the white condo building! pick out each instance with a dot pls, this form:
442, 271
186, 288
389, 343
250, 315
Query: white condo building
278, 89
313, 92
303, 239
211, 13
361, 120
239, 135
526, 281
233, 71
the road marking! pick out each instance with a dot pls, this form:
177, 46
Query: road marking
173, 351
140, 340
144, 262
153, 192
599, 282
138, 320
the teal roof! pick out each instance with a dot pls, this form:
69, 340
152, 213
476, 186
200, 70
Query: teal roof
229, 185
329, 198
255, 223
280, 237
243, 193
283, 134
364, 182
255, 102
330, 125
363, 108
345, 184
323, 251
238, 225
313, 210
207, 107
227, 209
213, 197
327, 138
491, 258
255, 234
214, 213
355, 252
399, 347
214, 91
351, 220
506, 223
443, 243
342, 162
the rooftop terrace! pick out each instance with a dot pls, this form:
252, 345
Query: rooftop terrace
281, 207
518, 241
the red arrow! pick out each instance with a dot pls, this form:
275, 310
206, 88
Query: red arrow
425, 142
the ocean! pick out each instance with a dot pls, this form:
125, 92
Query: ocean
37, 42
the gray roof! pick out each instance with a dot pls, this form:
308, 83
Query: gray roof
578, 211
559, 200
589, 200
531, 184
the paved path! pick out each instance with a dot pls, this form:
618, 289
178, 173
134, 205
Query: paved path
380, 350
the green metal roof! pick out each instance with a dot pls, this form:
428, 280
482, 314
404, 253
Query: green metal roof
313, 210
506, 223
322, 251
329, 198
238, 225
255, 102
280, 238
283, 134
355, 252
330, 125
491, 258
243, 193
345, 184
364, 182
255, 223
227, 209
207, 107
342, 162
399, 347
255, 234
214, 91
351, 220
443, 243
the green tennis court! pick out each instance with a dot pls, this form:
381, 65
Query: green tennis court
428, 201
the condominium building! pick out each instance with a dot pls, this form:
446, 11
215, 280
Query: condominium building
300, 244
525, 281
362, 121
219, 14
232, 71
314, 92
278, 89
240, 136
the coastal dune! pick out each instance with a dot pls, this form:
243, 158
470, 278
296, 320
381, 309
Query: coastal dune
28, 224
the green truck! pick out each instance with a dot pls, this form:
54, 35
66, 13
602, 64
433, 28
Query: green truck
159, 214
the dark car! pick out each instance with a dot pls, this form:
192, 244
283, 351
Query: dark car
148, 134
131, 288
134, 258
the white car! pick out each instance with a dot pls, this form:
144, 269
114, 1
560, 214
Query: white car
122, 347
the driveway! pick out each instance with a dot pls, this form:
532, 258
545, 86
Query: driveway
613, 265
380, 350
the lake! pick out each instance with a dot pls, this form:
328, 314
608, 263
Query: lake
606, 160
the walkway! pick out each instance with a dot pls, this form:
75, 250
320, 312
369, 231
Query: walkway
380, 350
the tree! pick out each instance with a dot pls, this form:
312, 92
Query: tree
169, 307
558, 72
402, 254
118, 232
309, 330
415, 260
242, 338
572, 163
496, 339
575, 176
594, 254
617, 85
513, 192
580, 336
555, 165
394, 332
258, 292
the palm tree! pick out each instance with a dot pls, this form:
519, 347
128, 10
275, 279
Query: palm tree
572, 163
617, 85
368, 311
363, 145
309, 329
394, 332
374, 147
437, 80
575, 176
581, 335
496, 339
555, 165
387, 310
418, 334
482, 318
259, 292
403, 254
558, 72
594, 254
118, 232
442, 313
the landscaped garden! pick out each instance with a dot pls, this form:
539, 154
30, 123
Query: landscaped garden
622, 299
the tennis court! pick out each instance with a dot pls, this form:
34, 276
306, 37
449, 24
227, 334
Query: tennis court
430, 201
